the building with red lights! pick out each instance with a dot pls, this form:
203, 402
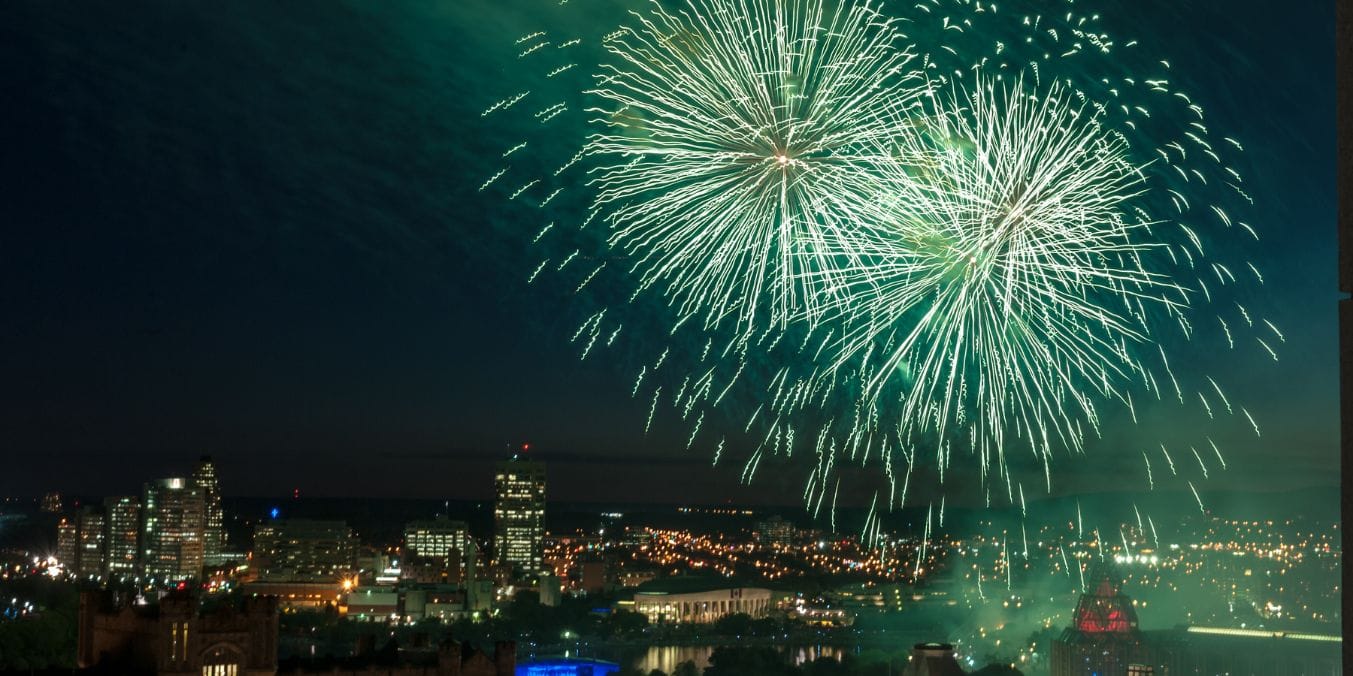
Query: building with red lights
1104, 638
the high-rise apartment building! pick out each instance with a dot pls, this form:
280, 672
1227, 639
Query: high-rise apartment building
304, 550
519, 516
122, 529
213, 532
173, 517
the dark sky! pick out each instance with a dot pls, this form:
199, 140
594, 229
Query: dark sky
252, 230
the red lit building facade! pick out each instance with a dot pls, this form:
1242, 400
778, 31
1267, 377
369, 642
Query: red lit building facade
1104, 638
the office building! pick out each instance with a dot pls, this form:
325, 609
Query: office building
213, 530
443, 543
519, 516
122, 527
67, 541
304, 550
90, 543
775, 531
80, 542
172, 522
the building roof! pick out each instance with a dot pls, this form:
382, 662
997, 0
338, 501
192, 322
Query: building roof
1105, 609
691, 584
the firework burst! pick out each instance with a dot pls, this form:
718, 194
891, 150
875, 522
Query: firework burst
1001, 289
989, 234
741, 135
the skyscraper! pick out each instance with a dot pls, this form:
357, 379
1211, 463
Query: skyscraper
519, 516
67, 542
172, 523
213, 532
122, 524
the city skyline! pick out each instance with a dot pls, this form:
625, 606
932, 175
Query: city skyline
675, 337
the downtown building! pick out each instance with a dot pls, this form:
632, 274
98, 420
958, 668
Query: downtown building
122, 534
305, 563
304, 550
519, 517
443, 547
775, 531
213, 517
173, 521
97, 541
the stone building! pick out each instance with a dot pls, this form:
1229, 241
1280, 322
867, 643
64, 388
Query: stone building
1104, 637
177, 638
697, 601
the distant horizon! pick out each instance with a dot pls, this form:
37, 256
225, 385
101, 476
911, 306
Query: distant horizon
1039, 500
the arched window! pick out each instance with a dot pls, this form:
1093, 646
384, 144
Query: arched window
222, 659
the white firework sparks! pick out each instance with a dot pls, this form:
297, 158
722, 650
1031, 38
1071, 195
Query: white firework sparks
742, 135
1002, 286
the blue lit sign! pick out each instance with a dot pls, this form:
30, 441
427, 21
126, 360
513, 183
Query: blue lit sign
561, 666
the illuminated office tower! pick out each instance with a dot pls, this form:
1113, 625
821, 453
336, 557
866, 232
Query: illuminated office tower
79, 542
122, 526
213, 532
90, 543
172, 522
446, 541
519, 516
67, 541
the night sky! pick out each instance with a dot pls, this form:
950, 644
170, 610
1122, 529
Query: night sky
252, 230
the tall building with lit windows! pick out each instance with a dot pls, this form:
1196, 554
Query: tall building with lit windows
122, 529
445, 541
91, 542
519, 516
173, 518
80, 542
67, 541
213, 531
